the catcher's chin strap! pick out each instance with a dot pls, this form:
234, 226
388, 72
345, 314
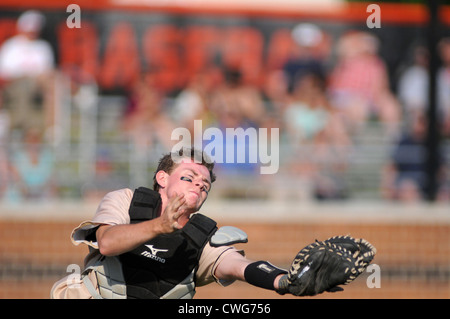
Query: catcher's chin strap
262, 274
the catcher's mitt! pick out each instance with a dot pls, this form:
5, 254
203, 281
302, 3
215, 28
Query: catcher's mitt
323, 265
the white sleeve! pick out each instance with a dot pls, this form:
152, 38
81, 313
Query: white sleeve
112, 210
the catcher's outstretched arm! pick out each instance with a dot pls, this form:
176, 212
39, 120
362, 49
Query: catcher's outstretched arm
319, 267
257, 273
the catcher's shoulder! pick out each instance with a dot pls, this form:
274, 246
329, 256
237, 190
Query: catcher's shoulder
228, 235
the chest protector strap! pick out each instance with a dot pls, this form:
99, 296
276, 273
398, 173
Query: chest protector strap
144, 205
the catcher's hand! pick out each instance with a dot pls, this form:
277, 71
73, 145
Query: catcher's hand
323, 265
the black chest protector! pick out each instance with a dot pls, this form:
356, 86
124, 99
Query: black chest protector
154, 268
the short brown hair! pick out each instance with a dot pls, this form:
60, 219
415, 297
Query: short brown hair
167, 164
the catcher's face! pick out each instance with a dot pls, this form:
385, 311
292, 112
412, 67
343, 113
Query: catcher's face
191, 179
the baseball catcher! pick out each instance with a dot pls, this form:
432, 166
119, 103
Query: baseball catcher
153, 244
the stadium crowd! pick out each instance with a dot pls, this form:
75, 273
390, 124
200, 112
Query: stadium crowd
320, 110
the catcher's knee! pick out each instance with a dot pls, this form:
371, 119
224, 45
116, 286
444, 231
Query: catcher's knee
262, 274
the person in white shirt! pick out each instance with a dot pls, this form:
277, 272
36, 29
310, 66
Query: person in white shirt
25, 55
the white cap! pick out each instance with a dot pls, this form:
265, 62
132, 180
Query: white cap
30, 21
307, 34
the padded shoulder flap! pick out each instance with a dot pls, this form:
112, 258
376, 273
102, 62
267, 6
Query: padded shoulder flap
228, 235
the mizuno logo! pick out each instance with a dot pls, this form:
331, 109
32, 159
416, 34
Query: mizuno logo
153, 252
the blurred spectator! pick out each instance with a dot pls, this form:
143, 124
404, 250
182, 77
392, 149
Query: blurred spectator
25, 54
413, 86
26, 65
33, 165
276, 98
405, 178
237, 105
443, 86
145, 121
234, 95
4, 171
309, 116
318, 136
28, 104
307, 56
106, 177
359, 83
4, 143
193, 102
275, 92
